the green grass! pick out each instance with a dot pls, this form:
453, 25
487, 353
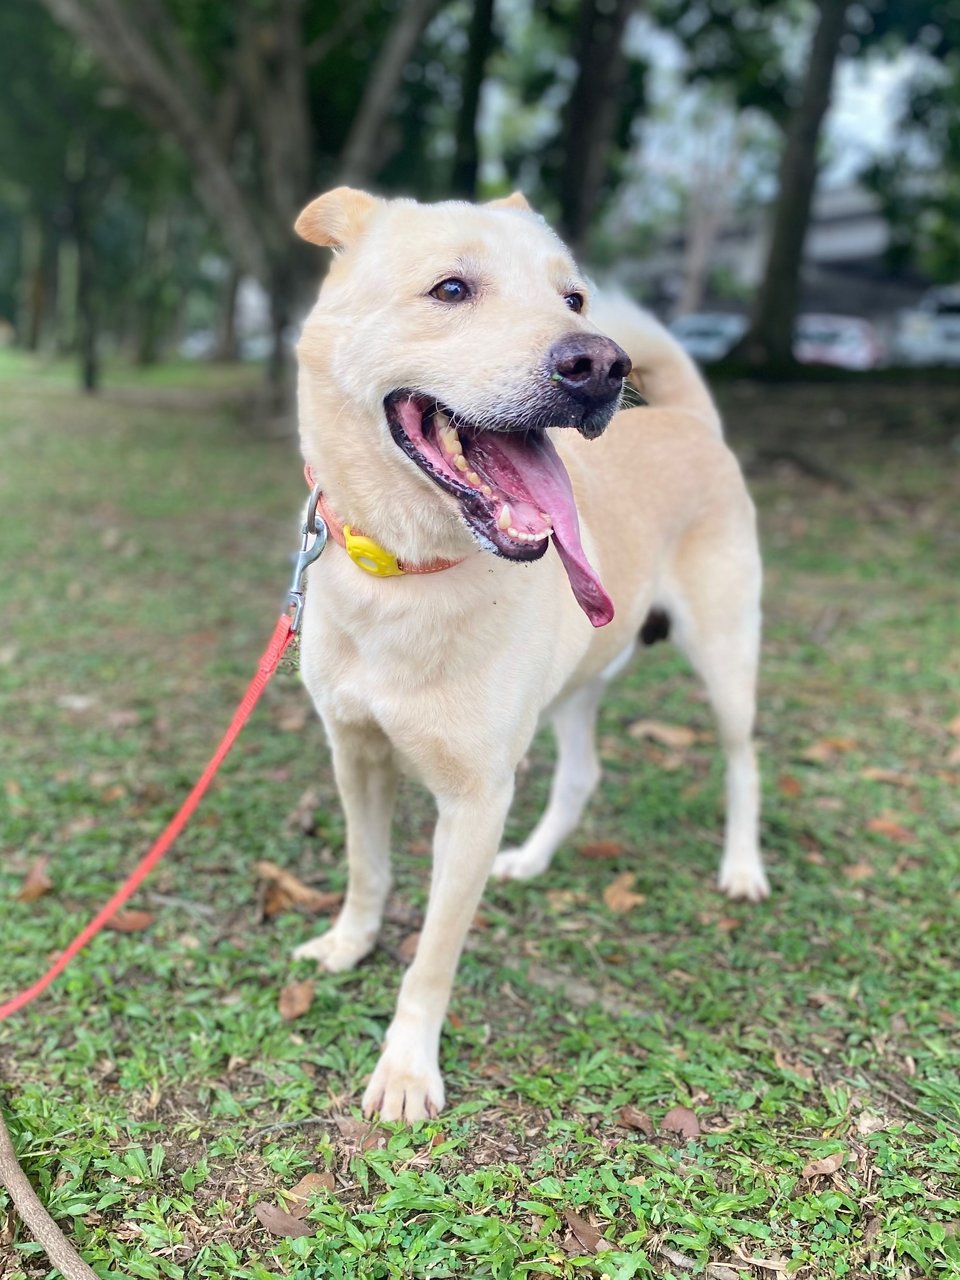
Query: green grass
155, 1094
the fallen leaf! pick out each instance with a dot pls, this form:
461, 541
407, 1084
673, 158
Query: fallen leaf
123, 718
676, 736
284, 890
954, 726
953, 757
619, 895
309, 1185
587, 1236
824, 1166
360, 1134
293, 719
717, 1271
75, 701
407, 949
893, 830
295, 999
857, 871
681, 1120
787, 785
635, 1119
280, 1223
677, 1258
8, 655
601, 849
826, 749
130, 921
36, 882
303, 816
891, 776
797, 1068
869, 1122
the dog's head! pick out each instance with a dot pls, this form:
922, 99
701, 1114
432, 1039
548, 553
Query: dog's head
452, 336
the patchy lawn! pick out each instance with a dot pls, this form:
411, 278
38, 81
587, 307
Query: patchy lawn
637, 1093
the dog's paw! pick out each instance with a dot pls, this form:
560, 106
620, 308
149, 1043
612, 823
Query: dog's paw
517, 864
743, 880
402, 1088
336, 950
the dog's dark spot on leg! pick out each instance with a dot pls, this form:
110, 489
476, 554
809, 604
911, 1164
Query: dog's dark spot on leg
656, 626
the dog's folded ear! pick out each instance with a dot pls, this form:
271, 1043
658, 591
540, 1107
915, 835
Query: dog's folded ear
336, 218
515, 201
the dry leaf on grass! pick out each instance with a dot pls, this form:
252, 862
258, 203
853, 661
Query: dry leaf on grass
676, 736
283, 890
635, 1119
953, 757
790, 786
601, 849
586, 1235
954, 726
857, 871
797, 1068
309, 1185
36, 882
130, 921
619, 895
681, 1120
890, 776
280, 1223
826, 749
360, 1134
825, 1166
295, 999
893, 830
303, 816
682, 1260
407, 949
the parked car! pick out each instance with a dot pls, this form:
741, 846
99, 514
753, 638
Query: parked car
709, 335
930, 332
846, 342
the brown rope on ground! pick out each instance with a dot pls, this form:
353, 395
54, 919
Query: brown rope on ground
45, 1231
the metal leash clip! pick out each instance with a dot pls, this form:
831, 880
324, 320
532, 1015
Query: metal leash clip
313, 527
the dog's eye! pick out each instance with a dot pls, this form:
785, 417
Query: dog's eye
452, 290
574, 301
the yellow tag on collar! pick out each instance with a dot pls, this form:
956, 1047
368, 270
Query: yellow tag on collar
370, 556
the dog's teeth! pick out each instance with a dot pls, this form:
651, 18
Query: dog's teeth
504, 518
473, 479
441, 419
486, 491
460, 462
450, 441
512, 532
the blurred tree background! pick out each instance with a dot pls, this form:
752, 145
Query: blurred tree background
154, 153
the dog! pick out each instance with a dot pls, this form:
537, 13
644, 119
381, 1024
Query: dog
505, 535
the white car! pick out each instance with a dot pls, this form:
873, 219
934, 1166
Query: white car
708, 335
930, 332
845, 342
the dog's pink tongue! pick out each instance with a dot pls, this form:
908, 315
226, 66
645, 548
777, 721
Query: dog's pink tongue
545, 477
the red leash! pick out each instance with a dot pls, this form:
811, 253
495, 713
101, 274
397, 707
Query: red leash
283, 633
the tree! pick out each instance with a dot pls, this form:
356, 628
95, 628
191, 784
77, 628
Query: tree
770, 336
480, 43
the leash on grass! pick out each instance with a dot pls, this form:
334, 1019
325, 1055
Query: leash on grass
58, 1249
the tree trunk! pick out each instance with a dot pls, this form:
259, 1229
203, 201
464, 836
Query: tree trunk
591, 113
228, 347
466, 163
31, 282
87, 312
362, 151
770, 337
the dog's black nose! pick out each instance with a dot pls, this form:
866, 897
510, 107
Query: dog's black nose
590, 368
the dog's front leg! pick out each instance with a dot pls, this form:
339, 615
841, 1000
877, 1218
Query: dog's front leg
367, 781
406, 1083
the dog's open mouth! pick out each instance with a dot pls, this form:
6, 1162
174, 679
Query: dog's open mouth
511, 485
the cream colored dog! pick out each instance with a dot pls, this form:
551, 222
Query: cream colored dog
453, 375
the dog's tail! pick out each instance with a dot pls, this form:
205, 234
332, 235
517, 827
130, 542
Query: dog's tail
663, 373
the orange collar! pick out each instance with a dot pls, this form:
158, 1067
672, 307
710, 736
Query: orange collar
363, 551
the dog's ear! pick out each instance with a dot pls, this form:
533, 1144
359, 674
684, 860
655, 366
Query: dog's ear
336, 218
515, 201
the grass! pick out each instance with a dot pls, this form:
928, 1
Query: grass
156, 1095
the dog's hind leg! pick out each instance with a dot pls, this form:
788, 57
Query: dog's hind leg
367, 781
715, 612
574, 782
